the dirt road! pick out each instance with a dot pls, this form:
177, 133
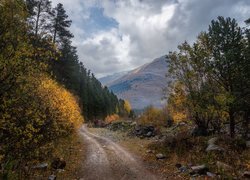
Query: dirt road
106, 160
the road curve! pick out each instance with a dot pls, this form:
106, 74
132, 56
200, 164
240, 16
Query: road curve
106, 160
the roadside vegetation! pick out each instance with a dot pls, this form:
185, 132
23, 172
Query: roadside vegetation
45, 91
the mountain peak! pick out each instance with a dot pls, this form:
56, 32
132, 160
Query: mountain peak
144, 85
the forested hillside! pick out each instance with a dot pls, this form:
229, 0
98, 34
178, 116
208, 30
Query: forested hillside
52, 25
44, 88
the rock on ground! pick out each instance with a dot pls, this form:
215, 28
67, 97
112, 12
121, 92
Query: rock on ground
160, 156
201, 169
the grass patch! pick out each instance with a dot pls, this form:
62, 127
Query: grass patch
70, 148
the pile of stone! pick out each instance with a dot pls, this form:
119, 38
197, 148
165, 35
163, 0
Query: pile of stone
144, 131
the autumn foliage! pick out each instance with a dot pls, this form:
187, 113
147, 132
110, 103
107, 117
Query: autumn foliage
111, 118
177, 101
153, 116
62, 105
38, 113
35, 110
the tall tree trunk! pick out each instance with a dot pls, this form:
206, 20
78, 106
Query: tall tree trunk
38, 18
55, 32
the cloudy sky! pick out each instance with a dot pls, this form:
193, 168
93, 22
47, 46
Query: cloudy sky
119, 35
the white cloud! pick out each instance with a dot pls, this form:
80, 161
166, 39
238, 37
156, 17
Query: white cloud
146, 29
106, 52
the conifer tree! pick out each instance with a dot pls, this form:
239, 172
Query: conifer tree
61, 23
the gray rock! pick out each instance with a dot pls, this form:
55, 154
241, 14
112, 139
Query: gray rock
201, 169
60, 170
133, 124
183, 169
41, 166
213, 147
212, 140
149, 134
160, 156
182, 124
223, 166
212, 175
52, 177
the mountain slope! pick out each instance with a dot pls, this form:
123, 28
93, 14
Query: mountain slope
143, 86
111, 78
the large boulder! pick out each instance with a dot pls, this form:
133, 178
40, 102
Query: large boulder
144, 131
212, 146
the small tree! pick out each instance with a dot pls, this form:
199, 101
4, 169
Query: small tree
127, 107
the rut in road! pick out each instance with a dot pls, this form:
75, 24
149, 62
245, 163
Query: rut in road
106, 160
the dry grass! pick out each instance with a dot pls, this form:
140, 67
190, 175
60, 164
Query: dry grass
71, 149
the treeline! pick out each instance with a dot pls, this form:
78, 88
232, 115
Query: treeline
211, 84
52, 24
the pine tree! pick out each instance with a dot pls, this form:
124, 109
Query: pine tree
61, 23
226, 44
